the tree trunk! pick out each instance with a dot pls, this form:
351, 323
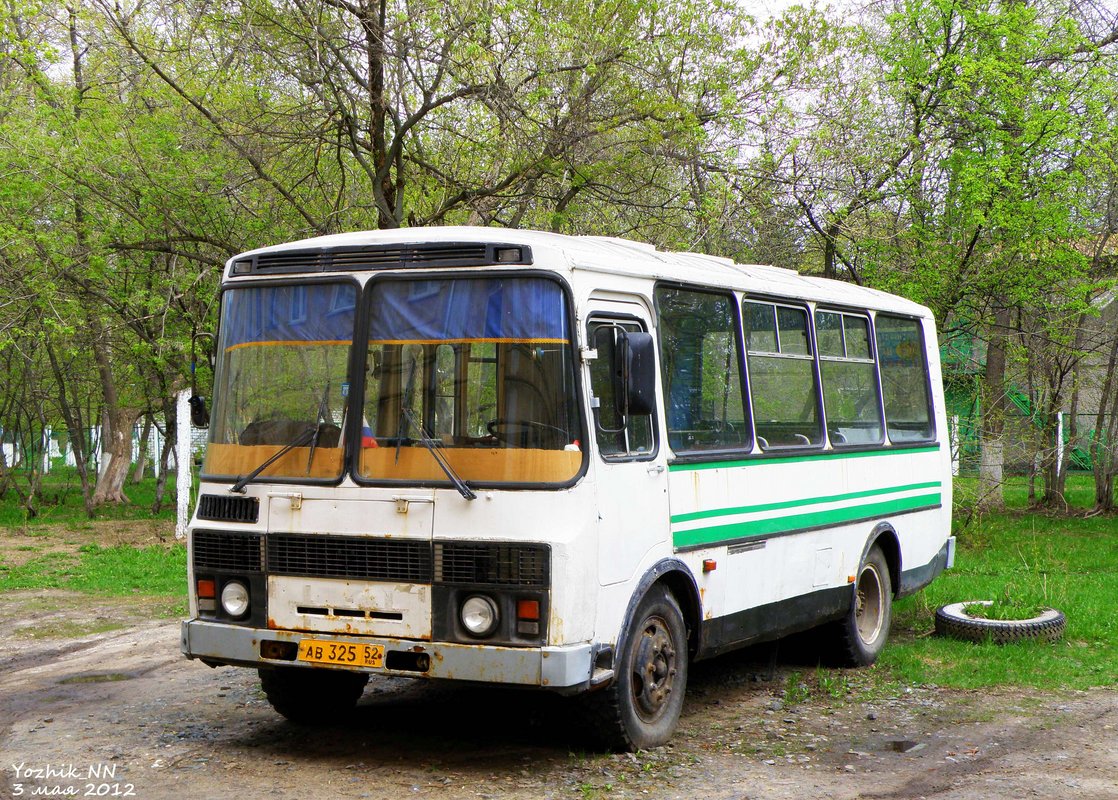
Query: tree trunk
1102, 437
141, 459
992, 461
116, 455
170, 417
75, 427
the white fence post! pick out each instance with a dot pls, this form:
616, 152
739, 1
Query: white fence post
95, 448
954, 428
183, 463
1059, 442
155, 450
46, 451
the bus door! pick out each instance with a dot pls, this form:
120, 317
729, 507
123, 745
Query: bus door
631, 467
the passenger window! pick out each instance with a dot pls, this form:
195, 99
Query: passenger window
701, 370
782, 376
904, 379
617, 437
850, 397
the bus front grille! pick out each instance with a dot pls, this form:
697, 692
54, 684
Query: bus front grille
496, 564
350, 557
219, 508
228, 552
363, 559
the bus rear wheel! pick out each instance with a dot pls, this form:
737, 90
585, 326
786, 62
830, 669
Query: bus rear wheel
641, 708
312, 696
865, 628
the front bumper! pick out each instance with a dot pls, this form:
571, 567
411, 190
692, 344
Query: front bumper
552, 667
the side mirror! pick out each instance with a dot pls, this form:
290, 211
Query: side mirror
199, 414
636, 373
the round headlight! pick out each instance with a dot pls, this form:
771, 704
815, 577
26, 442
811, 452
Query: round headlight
479, 615
234, 599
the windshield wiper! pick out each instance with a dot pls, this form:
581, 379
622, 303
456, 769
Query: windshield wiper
309, 435
434, 447
323, 411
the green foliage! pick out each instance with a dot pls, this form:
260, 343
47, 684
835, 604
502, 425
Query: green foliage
957, 153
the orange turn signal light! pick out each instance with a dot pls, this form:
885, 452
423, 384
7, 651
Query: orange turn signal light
528, 609
207, 588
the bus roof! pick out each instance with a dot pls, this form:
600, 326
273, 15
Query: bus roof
621, 257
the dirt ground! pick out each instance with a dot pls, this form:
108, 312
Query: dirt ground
96, 701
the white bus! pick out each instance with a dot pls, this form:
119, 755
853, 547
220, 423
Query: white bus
574, 463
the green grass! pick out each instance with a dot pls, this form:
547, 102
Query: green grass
109, 571
1005, 608
1069, 562
61, 501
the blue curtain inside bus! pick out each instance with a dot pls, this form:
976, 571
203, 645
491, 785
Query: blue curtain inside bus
317, 312
489, 309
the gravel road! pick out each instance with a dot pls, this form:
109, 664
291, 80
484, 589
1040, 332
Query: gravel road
122, 714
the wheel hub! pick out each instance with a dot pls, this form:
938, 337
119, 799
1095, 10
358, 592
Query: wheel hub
654, 669
869, 604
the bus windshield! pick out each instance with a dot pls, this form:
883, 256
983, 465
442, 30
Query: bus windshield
480, 368
281, 380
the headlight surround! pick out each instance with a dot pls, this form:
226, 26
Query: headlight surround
479, 615
235, 599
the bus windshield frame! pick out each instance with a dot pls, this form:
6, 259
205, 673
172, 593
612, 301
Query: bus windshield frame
484, 366
282, 380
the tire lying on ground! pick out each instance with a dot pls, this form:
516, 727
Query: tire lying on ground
951, 620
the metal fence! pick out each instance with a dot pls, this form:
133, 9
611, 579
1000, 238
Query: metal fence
1027, 444
52, 448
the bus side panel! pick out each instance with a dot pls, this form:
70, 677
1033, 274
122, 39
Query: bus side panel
786, 535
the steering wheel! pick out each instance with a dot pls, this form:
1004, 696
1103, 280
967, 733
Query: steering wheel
519, 432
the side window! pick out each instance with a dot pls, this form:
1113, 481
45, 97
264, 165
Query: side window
846, 365
904, 379
617, 437
781, 376
701, 367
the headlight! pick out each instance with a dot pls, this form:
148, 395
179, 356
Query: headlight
479, 615
234, 599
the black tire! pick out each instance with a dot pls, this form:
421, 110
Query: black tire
641, 707
312, 696
865, 628
952, 621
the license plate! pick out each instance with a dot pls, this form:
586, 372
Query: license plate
342, 653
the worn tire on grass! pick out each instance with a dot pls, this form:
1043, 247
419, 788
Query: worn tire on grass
952, 621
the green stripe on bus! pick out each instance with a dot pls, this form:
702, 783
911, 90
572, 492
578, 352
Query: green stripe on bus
810, 501
759, 461
795, 522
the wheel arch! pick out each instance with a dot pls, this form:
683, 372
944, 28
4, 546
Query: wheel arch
885, 536
674, 574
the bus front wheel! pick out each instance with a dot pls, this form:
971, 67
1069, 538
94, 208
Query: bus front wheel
641, 708
312, 696
865, 628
